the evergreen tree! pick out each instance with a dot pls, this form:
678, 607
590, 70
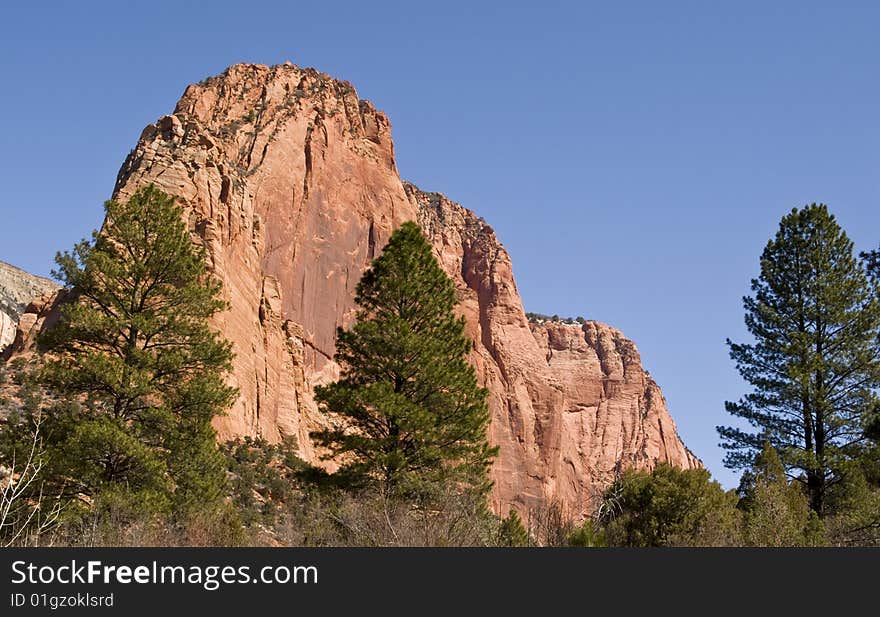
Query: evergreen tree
669, 507
408, 411
872, 428
776, 512
141, 368
512, 532
872, 262
587, 535
815, 317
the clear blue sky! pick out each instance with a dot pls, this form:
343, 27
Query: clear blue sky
633, 158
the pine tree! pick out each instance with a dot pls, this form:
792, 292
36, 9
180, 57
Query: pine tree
815, 318
134, 355
408, 411
512, 532
872, 262
776, 512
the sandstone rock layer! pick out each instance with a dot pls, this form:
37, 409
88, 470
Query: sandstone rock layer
289, 180
571, 404
17, 289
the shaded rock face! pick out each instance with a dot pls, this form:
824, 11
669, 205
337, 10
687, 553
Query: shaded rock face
289, 181
17, 289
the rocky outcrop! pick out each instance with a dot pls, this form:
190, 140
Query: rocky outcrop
7, 330
17, 289
571, 404
290, 182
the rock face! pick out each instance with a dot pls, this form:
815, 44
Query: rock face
17, 289
571, 404
290, 182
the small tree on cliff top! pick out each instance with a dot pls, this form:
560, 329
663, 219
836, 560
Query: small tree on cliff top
134, 351
408, 411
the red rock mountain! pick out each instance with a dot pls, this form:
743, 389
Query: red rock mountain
290, 181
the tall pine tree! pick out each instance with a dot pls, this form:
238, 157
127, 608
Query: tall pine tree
408, 410
134, 353
872, 261
815, 318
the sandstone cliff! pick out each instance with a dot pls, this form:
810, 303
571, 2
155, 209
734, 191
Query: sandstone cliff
571, 404
290, 182
17, 289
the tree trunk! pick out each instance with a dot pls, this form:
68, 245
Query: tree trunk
816, 490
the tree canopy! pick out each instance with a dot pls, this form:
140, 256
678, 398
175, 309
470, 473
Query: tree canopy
135, 358
815, 360
408, 412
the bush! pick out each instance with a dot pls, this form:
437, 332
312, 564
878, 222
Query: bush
669, 507
262, 477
